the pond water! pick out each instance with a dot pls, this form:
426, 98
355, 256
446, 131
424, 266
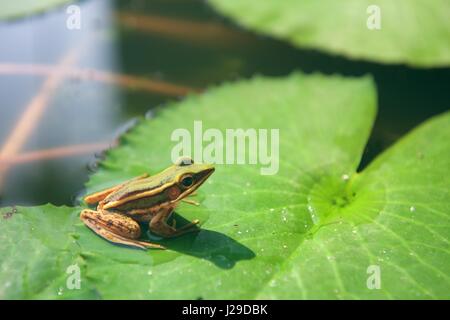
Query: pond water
67, 94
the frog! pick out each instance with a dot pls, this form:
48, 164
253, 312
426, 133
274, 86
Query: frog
148, 199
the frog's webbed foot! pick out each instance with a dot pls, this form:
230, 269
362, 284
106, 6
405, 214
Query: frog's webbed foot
159, 226
116, 228
190, 227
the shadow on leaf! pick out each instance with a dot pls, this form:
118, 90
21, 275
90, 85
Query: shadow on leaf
213, 246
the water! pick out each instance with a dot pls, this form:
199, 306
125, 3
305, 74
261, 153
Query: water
88, 113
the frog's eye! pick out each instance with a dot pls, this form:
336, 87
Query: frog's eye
184, 161
187, 181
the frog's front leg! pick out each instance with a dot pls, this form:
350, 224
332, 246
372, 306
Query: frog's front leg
159, 226
116, 228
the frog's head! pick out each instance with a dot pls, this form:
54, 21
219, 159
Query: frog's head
189, 176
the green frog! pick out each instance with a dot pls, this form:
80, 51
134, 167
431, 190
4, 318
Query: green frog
145, 199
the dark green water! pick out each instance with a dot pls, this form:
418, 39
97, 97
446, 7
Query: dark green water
82, 112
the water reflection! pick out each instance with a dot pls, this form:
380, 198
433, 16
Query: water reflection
144, 54
44, 109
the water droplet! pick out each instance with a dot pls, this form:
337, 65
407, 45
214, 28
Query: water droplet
313, 215
345, 177
284, 219
284, 246
239, 232
149, 272
271, 209
60, 291
412, 209
262, 249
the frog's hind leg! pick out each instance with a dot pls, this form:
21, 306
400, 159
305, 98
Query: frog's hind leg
116, 228
99, 196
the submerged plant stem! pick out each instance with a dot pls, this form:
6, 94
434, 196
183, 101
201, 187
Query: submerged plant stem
206, 33
126, 81
54, 153
34, 111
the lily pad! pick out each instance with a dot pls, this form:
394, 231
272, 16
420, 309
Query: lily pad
413, 32
17, 9
315, 229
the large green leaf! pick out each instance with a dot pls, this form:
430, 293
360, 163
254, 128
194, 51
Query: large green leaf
37, 246
413, 32
310, 231
14, 9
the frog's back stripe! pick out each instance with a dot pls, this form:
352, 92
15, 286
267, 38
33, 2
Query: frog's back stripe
148, 186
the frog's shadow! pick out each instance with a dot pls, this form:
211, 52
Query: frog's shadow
213, 246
